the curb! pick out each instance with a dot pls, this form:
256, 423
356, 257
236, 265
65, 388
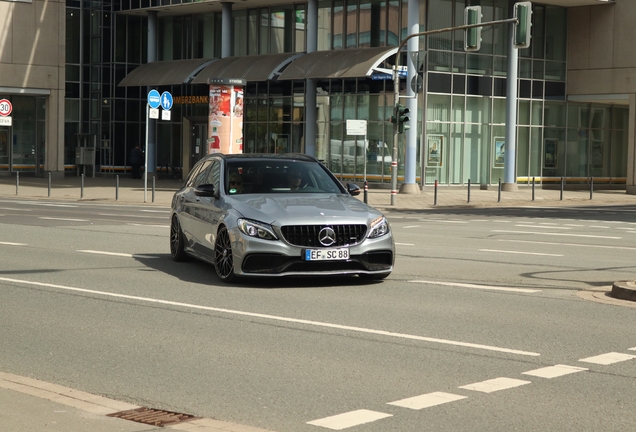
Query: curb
624, 290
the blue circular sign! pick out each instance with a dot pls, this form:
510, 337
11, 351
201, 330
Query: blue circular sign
166, 100
154, 99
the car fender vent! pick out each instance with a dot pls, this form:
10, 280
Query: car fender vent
152, 416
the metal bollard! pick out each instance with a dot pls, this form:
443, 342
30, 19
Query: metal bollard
153, 188
591, 186
532, 188
82, 188
366, 192
562, 186
435, 195
49, 184
468, 191
117, 187
499, 191
17, 182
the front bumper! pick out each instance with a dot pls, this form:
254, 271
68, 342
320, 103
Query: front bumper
256, 257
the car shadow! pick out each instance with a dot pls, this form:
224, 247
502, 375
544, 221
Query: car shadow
199, 272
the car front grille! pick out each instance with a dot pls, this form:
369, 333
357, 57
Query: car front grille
307, 235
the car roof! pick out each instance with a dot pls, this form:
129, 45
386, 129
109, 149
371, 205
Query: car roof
264, 156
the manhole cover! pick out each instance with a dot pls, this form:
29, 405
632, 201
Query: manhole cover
153, 416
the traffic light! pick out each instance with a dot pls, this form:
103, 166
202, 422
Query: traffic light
401, 114
523, 13
472, 36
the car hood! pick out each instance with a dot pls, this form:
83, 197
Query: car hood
303, 209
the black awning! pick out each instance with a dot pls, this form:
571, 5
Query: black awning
344, 63
172, 72
250, 68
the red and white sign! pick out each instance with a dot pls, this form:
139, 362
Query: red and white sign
5, 107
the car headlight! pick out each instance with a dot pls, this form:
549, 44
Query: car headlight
256, 229
379, 227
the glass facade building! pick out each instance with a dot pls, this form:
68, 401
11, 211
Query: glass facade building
460, 123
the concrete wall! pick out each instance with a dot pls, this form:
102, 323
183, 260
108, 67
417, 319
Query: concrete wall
32, 61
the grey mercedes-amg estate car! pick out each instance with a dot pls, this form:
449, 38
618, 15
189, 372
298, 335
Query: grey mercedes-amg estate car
277, 215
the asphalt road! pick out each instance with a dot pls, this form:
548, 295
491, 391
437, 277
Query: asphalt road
482, 326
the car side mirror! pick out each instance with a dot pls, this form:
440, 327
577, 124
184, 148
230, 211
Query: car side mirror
205, 190
353, 189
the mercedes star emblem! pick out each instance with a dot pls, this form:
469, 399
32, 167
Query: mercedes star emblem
327, 236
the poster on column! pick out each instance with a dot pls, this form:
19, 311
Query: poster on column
225, 122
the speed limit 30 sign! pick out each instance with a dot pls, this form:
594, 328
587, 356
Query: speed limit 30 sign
5, 107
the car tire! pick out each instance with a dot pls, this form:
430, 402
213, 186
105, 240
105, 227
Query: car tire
177, 241
223, 258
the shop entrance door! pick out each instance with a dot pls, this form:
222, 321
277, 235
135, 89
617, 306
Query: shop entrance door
4, 149
199, 144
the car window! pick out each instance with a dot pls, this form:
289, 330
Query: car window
279, 176
202, 175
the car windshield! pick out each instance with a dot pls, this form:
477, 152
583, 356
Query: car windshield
245, 176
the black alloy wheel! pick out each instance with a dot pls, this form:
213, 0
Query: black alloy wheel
223, 258
177, 241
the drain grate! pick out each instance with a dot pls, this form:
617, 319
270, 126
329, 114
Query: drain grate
152, 416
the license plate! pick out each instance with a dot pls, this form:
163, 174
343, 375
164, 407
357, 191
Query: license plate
326, 254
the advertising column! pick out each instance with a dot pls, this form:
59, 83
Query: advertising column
225, 118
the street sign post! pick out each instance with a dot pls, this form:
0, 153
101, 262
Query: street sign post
5, 107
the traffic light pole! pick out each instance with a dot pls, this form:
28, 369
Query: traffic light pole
396, 89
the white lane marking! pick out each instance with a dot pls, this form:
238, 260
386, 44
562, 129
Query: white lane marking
543, 227
547, 223
569, 244
485, 287
632, 349
64, 219
554, 371
57, 205
405, 244
156, 211
496, 384
349, 419
479, 220
126, 255
278, 318
17, 209
574, 225
427, 400
149, 225
133, 216
445, 220
13, 244
556, 234
517, 252
608, 359
629, 229
598, 226
411, 226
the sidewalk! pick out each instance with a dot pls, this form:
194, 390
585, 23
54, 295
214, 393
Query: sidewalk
130, 191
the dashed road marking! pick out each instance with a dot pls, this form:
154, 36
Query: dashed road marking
484, 287
608, 359
554, 371
64, 219
349, 419
132, 216
543, 227
568, 244
13, 244
126, 255
518, 252
557, 234
411, 226
149, 225
427, 400
496, 384
405, 244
